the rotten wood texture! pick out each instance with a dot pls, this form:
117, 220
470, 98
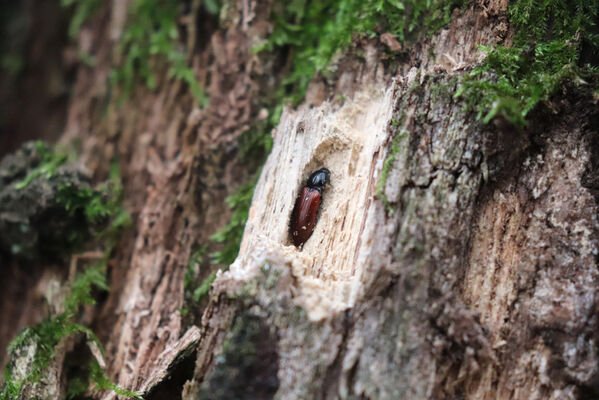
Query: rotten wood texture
532, 273
176, 362
349, 142
178, 164
480, 283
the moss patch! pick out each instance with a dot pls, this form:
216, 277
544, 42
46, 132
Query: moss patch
61, 194
32, 351
152, 31
388, 165
556, 41
314, 31
48, 208
194, 292
82, 10
230, 235
33, 220
46, 161
254, 146
204, 287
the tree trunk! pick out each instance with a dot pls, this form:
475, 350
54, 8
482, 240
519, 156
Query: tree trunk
450, 258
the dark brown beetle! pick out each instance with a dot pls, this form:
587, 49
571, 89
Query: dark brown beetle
305, 211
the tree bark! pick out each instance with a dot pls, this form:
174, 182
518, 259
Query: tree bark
451, 258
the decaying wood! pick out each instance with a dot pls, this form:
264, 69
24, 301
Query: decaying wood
532, 270
486, 292
472, 273
482, 281
169, 359
349, 142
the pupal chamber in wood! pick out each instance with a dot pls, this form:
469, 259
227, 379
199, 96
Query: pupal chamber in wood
307, 206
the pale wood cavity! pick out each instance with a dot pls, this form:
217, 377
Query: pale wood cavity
349, 140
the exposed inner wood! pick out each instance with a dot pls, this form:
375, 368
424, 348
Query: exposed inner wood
352, 141
342, 139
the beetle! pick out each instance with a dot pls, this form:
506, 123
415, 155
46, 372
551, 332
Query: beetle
307, 205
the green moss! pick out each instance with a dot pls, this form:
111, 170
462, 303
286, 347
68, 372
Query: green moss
41, 340
101, 381
230, 235
81, 288
99, 205
152, 31
204, 287
50, 161
82, 11
41, 193
86, 200
314, 31
547, 49
388, 165
195, 259
44, 337
254, 146
194, 292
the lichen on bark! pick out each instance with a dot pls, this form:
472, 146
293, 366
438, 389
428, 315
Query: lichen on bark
48, 211
37, 215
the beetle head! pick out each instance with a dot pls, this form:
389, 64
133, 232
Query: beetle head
319, 179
